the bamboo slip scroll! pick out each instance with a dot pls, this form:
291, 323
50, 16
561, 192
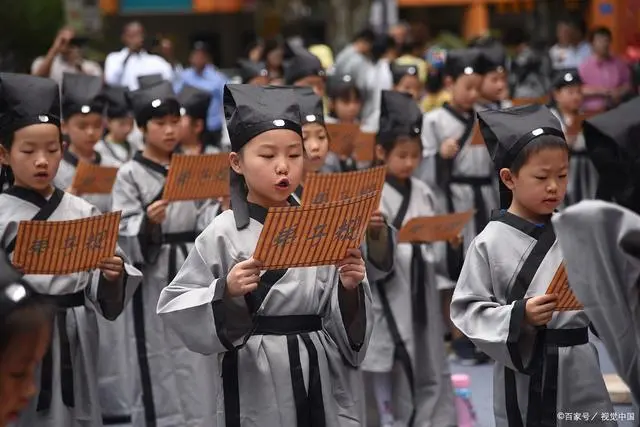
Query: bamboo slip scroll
312, 235
94, 179
333, 187
197, 177
430, 229
559, 285
64, 247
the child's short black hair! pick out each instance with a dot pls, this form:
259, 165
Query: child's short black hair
536, 145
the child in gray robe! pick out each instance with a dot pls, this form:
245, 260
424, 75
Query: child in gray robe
171, 385
567, 97
32, 147
280, 336
545, 365
82, 106
407, 331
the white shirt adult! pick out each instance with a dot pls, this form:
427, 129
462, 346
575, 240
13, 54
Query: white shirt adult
123, 68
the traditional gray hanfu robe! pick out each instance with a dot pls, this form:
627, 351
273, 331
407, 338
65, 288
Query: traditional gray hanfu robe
173, 386
583, 177
408, 319
600, 241
467, 181
116, 153
497, 105
542, 371
378, 254
67, 170
282, 348
67, 377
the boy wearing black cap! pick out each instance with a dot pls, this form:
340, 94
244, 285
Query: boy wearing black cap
260, 326
158, 235
115, 146
82, 108
32, 148
567, 100
545, 365
254, 73
460, 170
195, 108
600, 241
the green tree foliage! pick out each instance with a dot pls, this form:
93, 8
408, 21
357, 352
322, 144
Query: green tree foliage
29, 28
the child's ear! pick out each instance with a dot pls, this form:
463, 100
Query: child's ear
4, 155
198, 126
381, 153
234, 161
507, 178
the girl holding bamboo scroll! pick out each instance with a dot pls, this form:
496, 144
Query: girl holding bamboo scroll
378, 246
32, 147
408, 327
269, 331
172, 385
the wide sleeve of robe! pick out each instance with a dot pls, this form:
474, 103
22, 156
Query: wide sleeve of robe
137, 234
349, 320
430, 149
378, 253
496, 328
601, 245
196, 296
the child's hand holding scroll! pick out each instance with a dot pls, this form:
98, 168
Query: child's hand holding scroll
351, 269
243, 278
539, 309
112, 268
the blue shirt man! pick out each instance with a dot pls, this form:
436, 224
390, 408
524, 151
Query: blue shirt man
203, 75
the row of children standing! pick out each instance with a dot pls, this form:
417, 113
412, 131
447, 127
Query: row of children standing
159, 378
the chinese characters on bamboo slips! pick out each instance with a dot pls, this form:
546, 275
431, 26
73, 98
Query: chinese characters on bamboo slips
64, 247
346, 139
429, 229
559, 285
333, 187
312, 235
197, 177
94, 179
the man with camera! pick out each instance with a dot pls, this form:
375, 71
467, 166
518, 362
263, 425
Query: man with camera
65, 56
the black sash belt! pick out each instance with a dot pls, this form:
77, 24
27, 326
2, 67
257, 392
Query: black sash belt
62, 303
309, 405
476, 183
177, 241
543, 386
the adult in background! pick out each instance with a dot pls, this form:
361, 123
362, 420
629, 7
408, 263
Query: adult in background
123, 68
203, 75
355, 58
571, 49
606, 78
64, 56
379, 78
529, 70
273, 58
